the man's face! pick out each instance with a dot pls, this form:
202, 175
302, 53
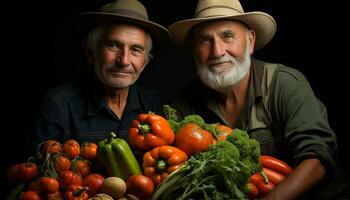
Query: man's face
121, 55
222, 52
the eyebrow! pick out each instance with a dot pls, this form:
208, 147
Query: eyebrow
137, 45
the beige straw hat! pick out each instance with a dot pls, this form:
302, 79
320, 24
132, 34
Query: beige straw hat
130, 11
207, 10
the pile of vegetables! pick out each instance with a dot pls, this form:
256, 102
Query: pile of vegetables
181, 159
221, 163
221, 172
69, 171
192, 159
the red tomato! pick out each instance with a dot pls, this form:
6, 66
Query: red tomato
89, 151
140, 186
82, 167
27, 171
94, 182
191, 139
67, 178
71, 148
30, 195
51, 146
61, 163
48, 185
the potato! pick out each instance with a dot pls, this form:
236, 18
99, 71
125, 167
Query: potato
114, 187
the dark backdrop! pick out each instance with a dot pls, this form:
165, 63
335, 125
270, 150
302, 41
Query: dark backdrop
43, 53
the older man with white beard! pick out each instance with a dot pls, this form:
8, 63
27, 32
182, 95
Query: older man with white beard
273, 103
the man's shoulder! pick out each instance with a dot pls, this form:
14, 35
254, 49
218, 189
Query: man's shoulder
63, 91
284, 72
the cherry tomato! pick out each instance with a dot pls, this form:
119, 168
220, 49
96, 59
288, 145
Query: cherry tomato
61, 163
48, 185
140, 186
71, 148
51, 146
89, 151
82, 166
27, 171
67, 178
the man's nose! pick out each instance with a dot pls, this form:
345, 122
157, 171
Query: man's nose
124, 57
217, 49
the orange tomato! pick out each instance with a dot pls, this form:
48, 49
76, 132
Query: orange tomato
89, 151
71, 148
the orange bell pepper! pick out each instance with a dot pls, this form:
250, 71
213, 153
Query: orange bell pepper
161, 161
149, 131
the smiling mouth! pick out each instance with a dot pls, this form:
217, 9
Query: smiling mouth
220, 64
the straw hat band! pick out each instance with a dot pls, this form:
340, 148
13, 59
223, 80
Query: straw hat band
128, 13
214, 10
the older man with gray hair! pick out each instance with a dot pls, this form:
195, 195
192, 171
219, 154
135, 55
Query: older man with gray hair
119, 39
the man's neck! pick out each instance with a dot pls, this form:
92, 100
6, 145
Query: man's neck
234, 99
116, 100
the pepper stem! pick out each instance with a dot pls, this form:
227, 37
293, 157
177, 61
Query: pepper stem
160, 165
112, 135
144, 128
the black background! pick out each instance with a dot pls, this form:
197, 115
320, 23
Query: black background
43, 53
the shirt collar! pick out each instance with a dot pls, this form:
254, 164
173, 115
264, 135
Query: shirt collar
96, 100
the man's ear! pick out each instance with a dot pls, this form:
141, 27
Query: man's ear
149, 58
251, 39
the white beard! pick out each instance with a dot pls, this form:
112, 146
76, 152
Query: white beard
219, 78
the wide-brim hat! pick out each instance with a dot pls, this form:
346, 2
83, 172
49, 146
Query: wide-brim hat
125, 11
262, 23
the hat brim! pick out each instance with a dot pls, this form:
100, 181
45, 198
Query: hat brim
262, 23
87, 21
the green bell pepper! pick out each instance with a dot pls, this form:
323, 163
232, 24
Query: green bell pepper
117, 158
